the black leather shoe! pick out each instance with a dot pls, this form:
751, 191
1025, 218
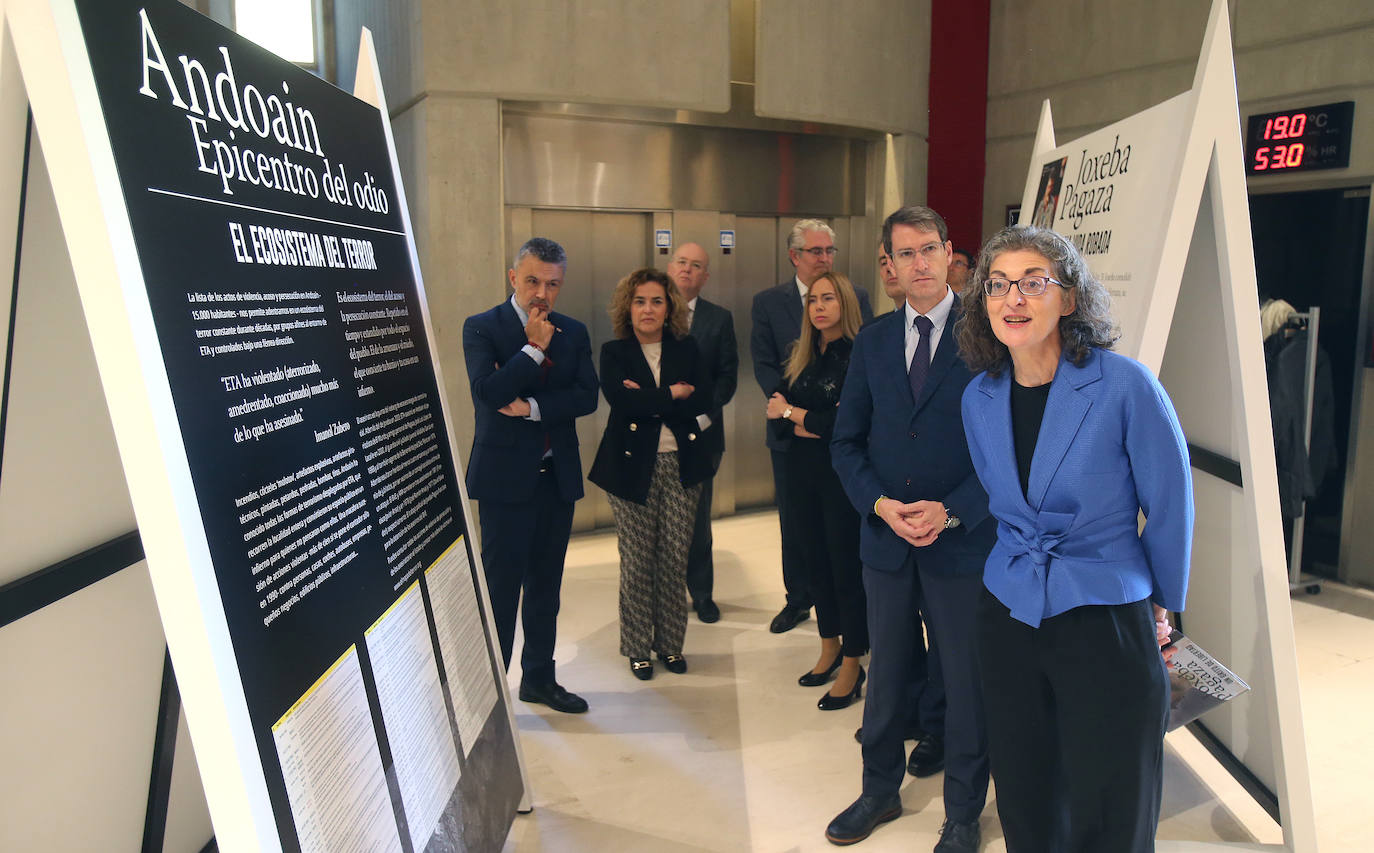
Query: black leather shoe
643, 668
927, 757
912, 733
816, 679
674, 663
788, 618
707, 611
831, 702
958, 837
857, 822
553, 695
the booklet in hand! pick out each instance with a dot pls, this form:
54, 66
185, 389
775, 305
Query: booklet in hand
1197, 682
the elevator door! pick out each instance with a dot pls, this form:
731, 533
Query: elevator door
1309, 251
602, 248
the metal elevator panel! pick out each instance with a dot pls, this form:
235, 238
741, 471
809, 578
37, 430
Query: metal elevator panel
603, 163
602, 248
756, 268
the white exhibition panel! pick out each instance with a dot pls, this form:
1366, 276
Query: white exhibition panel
1109, 202
63, 488
82, 678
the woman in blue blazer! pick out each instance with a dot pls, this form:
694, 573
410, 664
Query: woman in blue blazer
1073, 443
652, 460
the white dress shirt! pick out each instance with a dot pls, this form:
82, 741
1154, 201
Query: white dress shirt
533, 352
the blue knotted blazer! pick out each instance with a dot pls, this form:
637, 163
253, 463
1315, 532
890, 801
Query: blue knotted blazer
1110, 447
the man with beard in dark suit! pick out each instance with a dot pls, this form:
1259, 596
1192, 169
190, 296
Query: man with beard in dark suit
713, 328
531, 375
776, 322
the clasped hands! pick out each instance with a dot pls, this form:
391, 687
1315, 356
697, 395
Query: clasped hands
777, 404
919, 522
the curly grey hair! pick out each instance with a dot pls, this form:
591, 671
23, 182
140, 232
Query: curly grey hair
1089, 325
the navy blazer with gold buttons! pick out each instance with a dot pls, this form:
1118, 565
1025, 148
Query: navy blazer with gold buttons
625, 460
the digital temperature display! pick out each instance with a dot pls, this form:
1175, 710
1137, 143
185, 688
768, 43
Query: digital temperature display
1300, 139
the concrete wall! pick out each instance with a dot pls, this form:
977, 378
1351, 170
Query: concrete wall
1101, 61
447, 67
860, 64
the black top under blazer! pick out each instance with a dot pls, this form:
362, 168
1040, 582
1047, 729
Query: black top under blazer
625, 460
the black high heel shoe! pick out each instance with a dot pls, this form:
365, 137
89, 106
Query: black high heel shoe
835, 703
816, 679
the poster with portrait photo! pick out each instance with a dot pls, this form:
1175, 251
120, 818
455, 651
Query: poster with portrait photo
1047, 196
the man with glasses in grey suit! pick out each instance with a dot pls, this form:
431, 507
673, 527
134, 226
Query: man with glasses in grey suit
776, 318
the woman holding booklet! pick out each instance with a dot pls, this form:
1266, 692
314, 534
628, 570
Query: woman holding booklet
1073, 444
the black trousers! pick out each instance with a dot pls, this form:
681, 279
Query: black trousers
824, 529
951, 608
794, 578
1076, 714
701, 572
523, 547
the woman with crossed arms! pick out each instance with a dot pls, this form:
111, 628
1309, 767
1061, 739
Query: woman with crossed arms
652, 460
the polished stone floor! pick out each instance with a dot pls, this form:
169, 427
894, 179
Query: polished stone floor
734, 756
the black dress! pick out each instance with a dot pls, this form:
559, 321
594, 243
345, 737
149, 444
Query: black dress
822, 524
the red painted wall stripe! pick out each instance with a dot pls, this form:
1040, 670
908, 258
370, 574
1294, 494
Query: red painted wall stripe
958, 116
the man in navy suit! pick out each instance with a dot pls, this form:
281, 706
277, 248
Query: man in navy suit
926, 688
713, 328
776, 322
532, 377
900, 451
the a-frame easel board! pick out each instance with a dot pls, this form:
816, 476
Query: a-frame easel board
248, 275
1157, 203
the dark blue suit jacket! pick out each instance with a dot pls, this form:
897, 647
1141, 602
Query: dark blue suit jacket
886, 444
776, 318
506, 452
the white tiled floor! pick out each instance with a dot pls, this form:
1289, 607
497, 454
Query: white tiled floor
735, 756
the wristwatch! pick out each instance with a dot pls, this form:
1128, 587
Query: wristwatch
787, 413
951, 521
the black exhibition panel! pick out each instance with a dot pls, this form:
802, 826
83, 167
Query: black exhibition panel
272, 244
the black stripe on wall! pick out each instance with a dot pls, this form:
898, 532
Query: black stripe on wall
164, 757
33, 592
1215, 464
14, 291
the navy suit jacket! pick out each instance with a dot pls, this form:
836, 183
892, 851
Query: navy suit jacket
888, 445
1110, 446
776, 318
713, 328
506, 451
624, 463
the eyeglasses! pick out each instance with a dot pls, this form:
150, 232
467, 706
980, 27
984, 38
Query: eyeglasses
819, 252
1031, 285
907, 257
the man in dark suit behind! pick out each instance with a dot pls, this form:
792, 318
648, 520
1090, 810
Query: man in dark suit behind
900, 451
776, 318
531, 375
713, 328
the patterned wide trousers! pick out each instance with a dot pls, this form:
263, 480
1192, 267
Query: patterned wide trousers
654, 538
